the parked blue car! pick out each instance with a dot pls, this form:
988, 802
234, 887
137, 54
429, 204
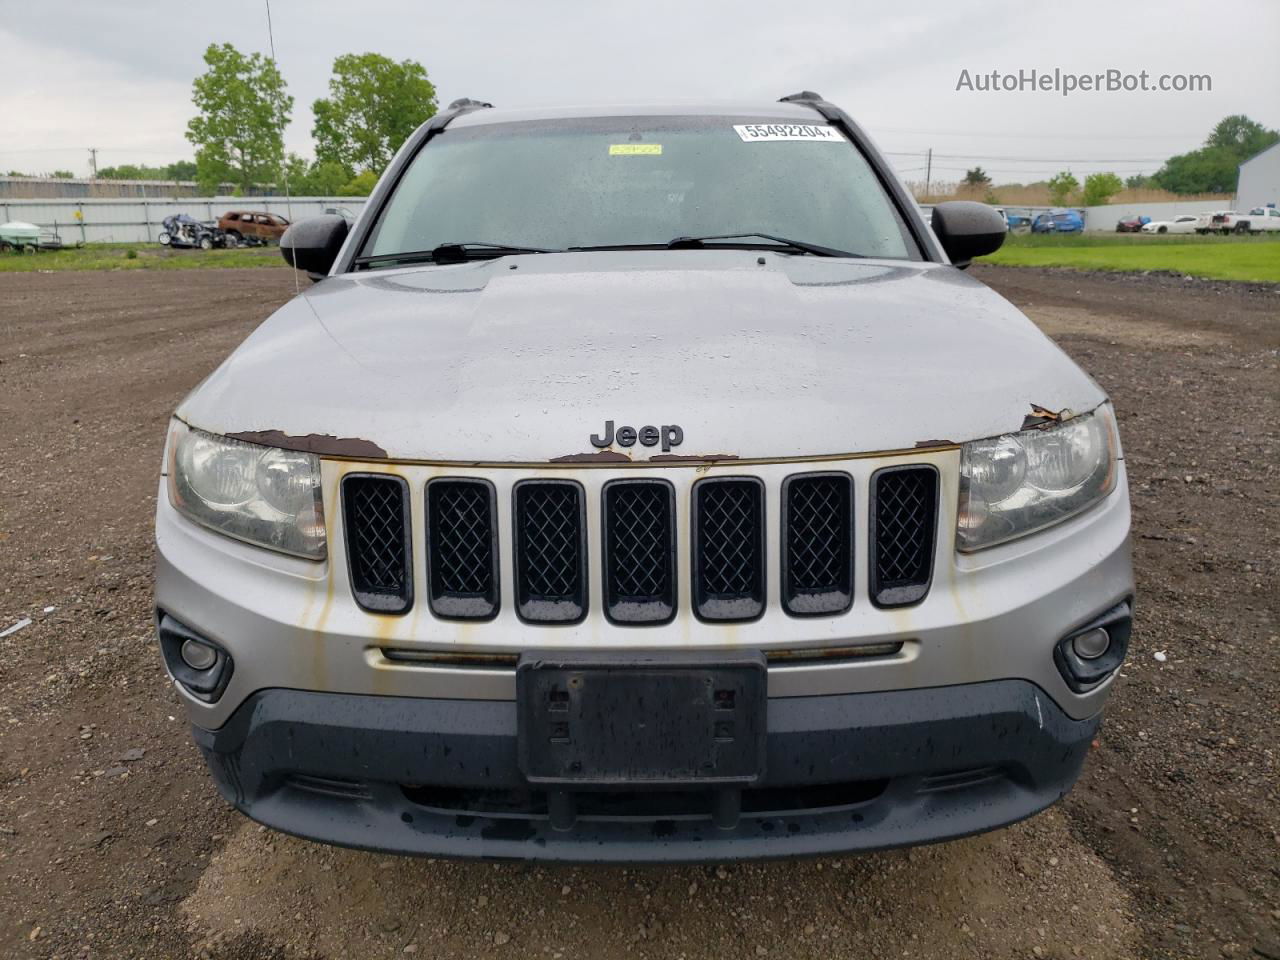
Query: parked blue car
1058, 221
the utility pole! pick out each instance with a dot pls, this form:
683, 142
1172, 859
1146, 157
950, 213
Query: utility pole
928, 170
93, 161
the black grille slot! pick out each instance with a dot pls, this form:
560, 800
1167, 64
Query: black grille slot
817, 543
375, 510
728, 548
903, 529
639, 551
550, 551
462, 549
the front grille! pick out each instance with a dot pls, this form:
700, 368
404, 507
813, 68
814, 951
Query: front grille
376, 518
639, 520
903, 529
728, 548
462, 549
817, 543
550, 551
640, 567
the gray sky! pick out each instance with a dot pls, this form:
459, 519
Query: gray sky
118, 75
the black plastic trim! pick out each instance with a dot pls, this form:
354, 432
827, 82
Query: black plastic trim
560, 612
902, 596
379, 601
471, 747
754, 603
649, 613
456, 606
832, 602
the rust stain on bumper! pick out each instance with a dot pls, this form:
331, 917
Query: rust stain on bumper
691, 457
322, 444
1041, 418
600, 456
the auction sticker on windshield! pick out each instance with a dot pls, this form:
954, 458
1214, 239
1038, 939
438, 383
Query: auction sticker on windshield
759, 132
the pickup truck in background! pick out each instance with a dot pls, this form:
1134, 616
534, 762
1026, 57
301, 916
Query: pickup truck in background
1257, 220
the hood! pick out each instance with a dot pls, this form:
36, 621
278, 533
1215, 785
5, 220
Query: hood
524, 359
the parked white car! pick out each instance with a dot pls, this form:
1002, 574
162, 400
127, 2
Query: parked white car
1184, 224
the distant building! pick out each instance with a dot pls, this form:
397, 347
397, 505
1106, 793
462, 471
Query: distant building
57, 188
1259, 182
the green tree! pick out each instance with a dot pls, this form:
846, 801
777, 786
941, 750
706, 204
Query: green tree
1242, 136
179, 170
373, 105
1062, 185
1213, 168
1100, 187
63, 175
977, 177
320, 178
243, 108
1208, 170
361, 185
1137, 181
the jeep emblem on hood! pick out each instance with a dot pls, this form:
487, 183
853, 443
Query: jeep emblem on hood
670, 435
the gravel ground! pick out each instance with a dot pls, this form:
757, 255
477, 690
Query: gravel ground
113, 842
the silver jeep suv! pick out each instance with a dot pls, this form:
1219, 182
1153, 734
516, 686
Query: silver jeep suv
642, 485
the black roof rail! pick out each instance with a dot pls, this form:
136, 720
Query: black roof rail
466, 103
801, 96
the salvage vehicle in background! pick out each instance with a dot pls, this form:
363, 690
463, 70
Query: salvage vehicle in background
182, 230
835, 558
1183, 224
1131, 223
253, 226
22, 236
1018, 222
1058, 221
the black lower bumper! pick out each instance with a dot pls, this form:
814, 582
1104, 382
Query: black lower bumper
843, 773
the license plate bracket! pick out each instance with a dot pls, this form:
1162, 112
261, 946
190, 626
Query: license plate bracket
665, 719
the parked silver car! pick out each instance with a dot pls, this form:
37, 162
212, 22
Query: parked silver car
643, 485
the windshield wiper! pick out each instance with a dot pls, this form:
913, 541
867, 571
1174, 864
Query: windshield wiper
693, 243
450, 253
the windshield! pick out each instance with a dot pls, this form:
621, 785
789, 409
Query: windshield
626, 181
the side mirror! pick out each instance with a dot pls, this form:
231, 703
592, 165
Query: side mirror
967, 229
313, 244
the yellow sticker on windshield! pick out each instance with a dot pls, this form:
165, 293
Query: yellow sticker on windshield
635, 149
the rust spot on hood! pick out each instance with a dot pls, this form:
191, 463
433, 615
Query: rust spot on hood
600, 456
322, 444
922, 444
1041, 418
691, 457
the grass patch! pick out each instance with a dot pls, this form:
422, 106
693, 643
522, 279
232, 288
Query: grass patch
137, 256
1253, 259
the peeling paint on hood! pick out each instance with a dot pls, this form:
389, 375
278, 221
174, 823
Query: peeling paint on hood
798, 356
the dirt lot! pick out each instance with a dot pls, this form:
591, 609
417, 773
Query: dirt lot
113, 842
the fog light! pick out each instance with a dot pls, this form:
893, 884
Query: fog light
1092, 652
199, 664
1087, 646
197, 656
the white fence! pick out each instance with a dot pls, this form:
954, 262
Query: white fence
1104, 218
139, 220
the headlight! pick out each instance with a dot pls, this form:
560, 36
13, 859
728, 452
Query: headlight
260, 494
1013, 485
